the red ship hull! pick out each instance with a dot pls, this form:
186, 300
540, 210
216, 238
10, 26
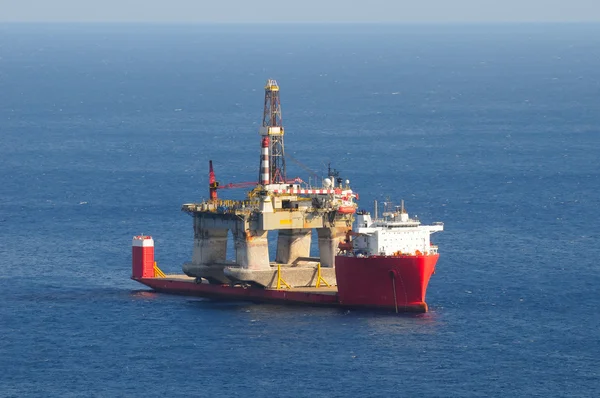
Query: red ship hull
361, 283
389, 282
379, 282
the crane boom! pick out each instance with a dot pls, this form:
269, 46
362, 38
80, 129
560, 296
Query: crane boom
233, 185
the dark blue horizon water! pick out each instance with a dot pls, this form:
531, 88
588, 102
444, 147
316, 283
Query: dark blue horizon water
105, 130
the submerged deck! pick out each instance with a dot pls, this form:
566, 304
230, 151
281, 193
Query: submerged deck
186, 285
304, 289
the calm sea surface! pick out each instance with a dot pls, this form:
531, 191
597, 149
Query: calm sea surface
105, 130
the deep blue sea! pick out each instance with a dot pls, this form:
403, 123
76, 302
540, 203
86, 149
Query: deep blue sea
105, 130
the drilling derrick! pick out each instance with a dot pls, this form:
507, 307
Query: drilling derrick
272, 129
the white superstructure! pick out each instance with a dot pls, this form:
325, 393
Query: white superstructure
394, 234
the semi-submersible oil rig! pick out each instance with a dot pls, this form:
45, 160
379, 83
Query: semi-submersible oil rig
290, 208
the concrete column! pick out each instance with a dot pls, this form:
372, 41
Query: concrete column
210, 246
252, 249
291, 244
329, 238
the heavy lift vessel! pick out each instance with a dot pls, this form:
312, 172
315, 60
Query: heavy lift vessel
381, 263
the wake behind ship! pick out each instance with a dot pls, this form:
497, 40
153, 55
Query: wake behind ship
382, 263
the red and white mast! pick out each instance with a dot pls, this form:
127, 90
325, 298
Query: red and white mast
265, 176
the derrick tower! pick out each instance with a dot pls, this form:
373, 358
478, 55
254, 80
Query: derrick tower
272, 137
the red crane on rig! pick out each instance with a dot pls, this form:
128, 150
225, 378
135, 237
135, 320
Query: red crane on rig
213, 184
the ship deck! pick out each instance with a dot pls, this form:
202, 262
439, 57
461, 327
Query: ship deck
185, 285
332, 290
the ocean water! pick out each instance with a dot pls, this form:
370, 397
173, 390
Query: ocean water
105, 130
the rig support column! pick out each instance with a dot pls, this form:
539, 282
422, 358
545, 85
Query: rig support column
210, 244
329, 239
210, 247
291, 244
252, 249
